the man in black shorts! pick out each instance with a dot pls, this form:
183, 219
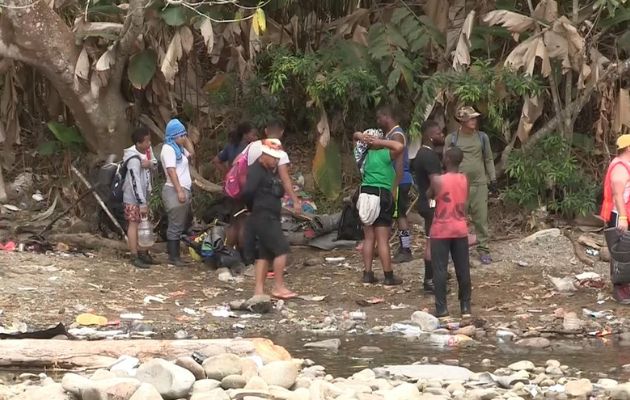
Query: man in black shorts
265, 242
426, 165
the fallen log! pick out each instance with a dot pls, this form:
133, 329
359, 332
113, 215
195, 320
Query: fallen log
90, 241
78, 354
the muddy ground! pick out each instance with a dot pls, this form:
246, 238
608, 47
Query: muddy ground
44, 289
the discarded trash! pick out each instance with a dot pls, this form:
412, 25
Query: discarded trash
398, 306
126, 364
448, 340
190, 311
11, 207
154, 299
596, 314
590, 279
358, 315
571, 322
405, 329
19, 331
563, 284
504, 336
37, 196
370, 302
312, 298
8, 246
181, 334
335, 259
131, 316
592, 252
88, 319
221, 312
522, 264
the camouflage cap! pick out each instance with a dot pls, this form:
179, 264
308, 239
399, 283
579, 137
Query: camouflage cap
466, 113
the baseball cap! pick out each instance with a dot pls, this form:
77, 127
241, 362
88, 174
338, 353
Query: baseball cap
466, 113
272, 147
623, 141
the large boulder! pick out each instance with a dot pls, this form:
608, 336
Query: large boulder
222, 365
280, 373
170, 380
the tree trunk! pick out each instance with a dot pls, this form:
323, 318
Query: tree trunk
49, 45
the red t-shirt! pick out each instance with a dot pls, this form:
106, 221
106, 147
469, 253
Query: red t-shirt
450, 221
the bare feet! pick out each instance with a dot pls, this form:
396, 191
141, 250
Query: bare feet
283, 294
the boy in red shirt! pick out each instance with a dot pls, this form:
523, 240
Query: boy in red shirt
449, 232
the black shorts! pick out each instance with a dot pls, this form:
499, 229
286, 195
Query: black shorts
428, 220
402, 202
386, 216
235, 206
264, 239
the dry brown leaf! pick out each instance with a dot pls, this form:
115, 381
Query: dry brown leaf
360, 35
546, 10
532, 110
526, 53
111, 29
193, 133
106, 60
456, 16
187, 39
208, 34
323, 128
170, 64
82, 68
254, 42
514, 22
461, 57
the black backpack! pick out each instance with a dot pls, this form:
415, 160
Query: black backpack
350, 226
118, 181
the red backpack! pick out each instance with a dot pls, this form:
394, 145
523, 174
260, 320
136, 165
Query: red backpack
236, 176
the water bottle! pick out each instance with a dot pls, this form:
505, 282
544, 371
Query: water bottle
145, 233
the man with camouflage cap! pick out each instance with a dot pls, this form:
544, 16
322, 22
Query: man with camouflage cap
478, 165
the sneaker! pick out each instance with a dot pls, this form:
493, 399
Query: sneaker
368, 277
427, 286
485, 259
138, 262
403, 256
392, 281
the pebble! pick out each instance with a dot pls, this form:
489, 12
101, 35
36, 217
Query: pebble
425, 321
370, 349
522, 366
404, 391
534, 342
233, 382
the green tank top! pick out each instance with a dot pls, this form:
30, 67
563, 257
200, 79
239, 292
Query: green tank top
378, 170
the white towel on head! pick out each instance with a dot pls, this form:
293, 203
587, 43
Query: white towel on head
369, 206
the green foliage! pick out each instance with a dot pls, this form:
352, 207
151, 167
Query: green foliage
548, 174
495, 88
142, 67
175, 16
66, 138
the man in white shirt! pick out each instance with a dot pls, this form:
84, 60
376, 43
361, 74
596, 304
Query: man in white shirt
176, 193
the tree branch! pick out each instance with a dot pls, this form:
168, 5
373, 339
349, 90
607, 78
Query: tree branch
130, 32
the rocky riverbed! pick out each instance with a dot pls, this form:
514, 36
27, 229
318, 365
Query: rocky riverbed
219, 374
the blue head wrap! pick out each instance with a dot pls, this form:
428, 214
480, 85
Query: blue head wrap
175, 129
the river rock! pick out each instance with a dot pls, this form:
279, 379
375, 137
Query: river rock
233, 382
534, 343
116, 388
469, 330
260, 304
481, 394
172, 381
366, 375
74, 383
328, 344
280, 373
257, 383
620, 392
404, 391
579, 388
100, 374
146, 392
426, 321
522, 366
545, 233
301, 394
191, 365
48, 392
205, 385
218, 367
214, 394
429, 372
607, 383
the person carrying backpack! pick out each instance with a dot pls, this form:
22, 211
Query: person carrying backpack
478, 166
136, 192
176, 193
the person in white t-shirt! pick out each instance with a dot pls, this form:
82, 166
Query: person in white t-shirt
176, 193
275, 130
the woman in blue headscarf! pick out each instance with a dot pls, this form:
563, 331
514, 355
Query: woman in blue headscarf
176, 193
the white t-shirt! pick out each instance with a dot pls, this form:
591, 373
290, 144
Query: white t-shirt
255, 151
169, 160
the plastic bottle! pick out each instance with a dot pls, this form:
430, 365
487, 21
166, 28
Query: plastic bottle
145, 233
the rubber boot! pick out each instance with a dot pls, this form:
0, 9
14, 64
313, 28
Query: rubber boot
173, 248
146, 257
465, 308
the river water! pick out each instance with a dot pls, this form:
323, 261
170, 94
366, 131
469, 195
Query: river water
596, 357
